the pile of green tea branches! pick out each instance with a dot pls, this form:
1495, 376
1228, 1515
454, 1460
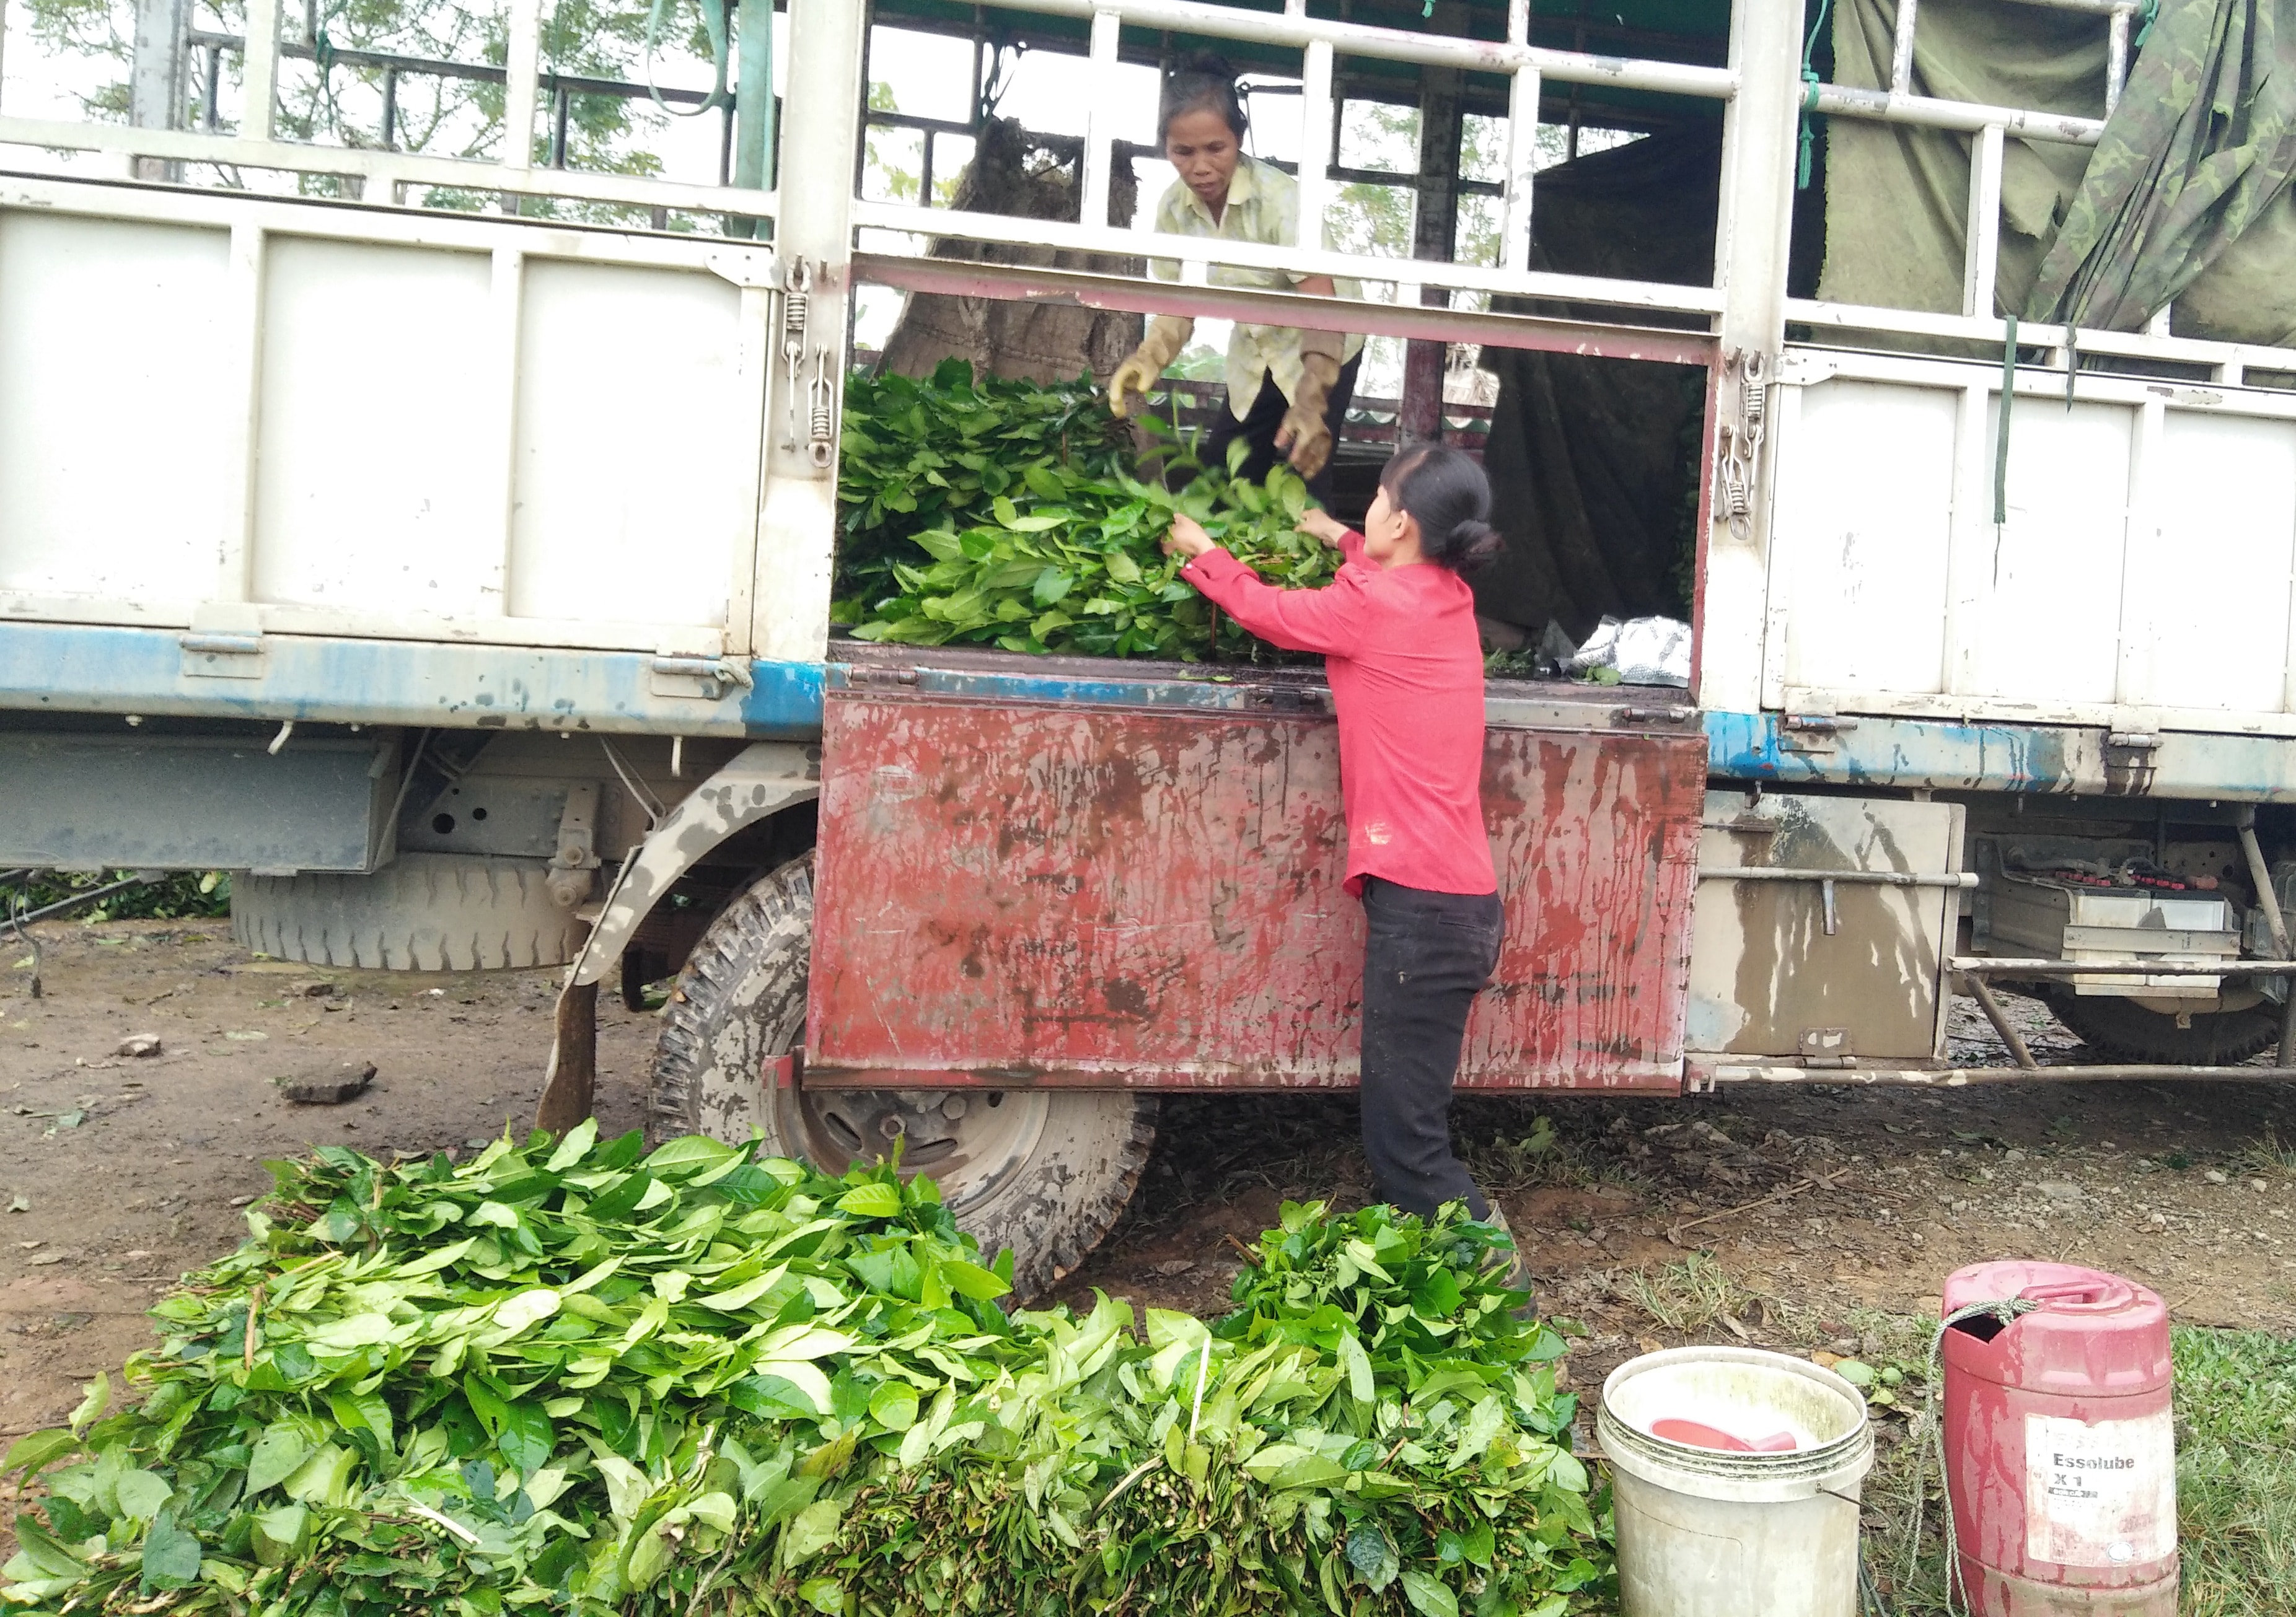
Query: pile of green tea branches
571, 1377
1009, 514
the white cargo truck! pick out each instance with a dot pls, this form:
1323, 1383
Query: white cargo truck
460, 578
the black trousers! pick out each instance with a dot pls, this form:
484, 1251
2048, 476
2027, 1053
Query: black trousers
1264, 419
1425, 957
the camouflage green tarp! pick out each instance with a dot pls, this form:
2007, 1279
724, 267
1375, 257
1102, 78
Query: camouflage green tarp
2186, 196
2202, 146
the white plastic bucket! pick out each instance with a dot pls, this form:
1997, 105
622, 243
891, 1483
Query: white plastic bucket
1705, 1533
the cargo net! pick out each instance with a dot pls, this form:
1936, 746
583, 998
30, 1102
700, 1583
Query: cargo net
1022, 176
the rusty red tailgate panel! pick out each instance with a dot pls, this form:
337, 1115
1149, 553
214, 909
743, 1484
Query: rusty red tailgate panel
1011, 895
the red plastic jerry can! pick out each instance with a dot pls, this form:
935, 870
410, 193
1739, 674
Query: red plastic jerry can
2060, 1447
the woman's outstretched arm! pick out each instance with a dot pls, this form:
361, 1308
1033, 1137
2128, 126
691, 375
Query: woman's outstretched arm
1328, 620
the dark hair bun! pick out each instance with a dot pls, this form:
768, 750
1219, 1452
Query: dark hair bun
1476, 544
1444, 490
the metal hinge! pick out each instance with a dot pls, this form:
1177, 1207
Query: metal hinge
2132, 740
707, 678
1628, 717
859, 676
1291, 698
222, 656
1811, 733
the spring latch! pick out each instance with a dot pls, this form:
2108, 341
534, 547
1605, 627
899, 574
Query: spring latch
797, 316
822, 399
1737, 460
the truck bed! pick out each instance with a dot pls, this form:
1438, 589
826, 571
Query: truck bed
1045, 872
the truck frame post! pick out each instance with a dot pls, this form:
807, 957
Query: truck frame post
812, 236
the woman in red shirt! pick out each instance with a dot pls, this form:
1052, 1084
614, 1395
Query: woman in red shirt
1397, 629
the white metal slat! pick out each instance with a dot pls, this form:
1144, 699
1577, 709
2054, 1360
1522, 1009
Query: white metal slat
1191, 249
2230, 359
1901, 56
506, 297
1100, 117
1521, 170
2116, 71
1295, 30
522, 77
1785, 431
2148, 476
1316, 125
241, 393
379, 167
1969, 542
259, 78
754, 386
1981, 263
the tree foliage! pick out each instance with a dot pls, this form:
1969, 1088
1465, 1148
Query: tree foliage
328, 102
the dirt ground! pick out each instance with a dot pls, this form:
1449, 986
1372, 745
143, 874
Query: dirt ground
1827, 1207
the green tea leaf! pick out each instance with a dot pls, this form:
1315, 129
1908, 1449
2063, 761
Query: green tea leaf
873, 1200
279, 1453
1370, 1553
1427, 1596
812, 1531
171, 1555
894, 1406
1356, 1363
141, 1495
36, 1451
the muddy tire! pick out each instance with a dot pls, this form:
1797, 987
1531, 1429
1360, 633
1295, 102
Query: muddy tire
1044, 1172
420, 912
2121, 1030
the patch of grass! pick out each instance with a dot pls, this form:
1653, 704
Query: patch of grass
2269, 1156
2235, 1470
2235, 1486
1686, 1298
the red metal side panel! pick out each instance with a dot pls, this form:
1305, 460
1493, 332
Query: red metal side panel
1101, 897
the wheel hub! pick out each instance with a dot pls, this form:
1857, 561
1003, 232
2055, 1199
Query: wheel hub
971, 1141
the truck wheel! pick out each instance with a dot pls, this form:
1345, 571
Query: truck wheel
420, 912
2121, 1030
1044, 1172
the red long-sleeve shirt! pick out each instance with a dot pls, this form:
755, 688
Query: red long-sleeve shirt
1405, 664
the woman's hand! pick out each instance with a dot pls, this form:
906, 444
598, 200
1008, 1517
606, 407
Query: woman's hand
1187, 537
1324, 525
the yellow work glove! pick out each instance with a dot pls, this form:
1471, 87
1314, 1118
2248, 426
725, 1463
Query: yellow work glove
1166, 335
1305, 433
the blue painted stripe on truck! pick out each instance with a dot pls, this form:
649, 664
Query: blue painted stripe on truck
96, 668
1756, 747
114, 669
1859, 750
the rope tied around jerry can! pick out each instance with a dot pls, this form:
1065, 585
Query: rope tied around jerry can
1929, 1441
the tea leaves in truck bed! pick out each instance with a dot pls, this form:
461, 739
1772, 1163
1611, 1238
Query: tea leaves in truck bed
992, 512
